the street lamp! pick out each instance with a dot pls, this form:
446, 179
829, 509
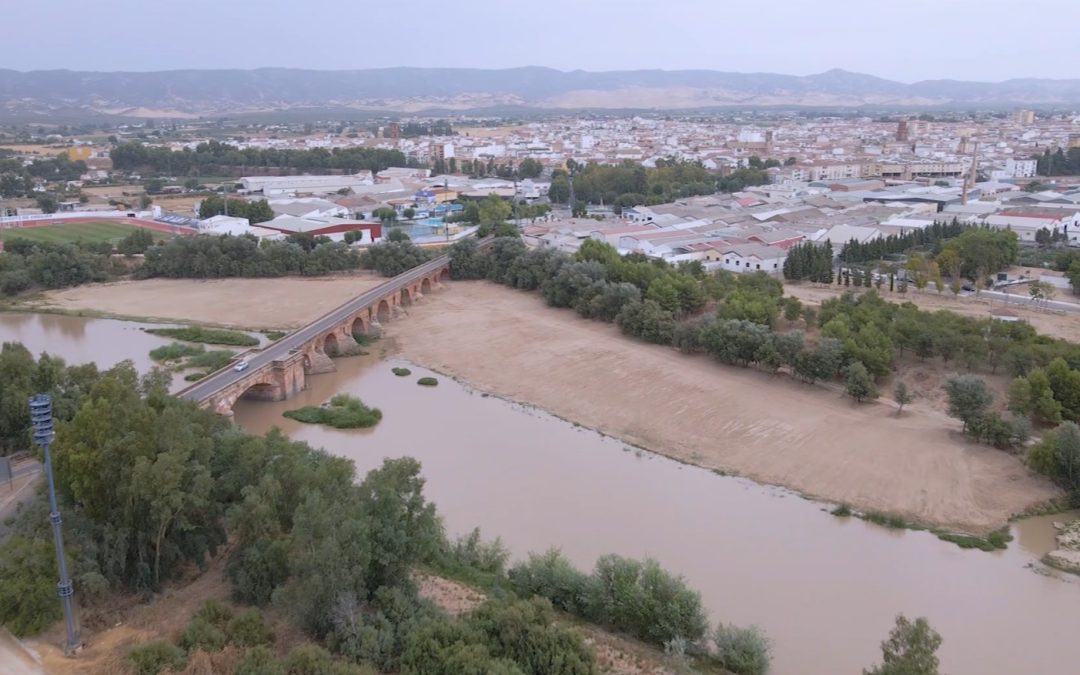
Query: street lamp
42, 419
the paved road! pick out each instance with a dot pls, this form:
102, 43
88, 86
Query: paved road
205, 388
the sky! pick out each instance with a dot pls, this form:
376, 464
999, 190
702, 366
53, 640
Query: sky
909, 40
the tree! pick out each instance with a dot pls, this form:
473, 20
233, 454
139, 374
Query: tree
145, 201
968, 398
909, 650
743, 651
530, 168
137, 242
493, 210
901, 396
409, 213
858, 383
47, 203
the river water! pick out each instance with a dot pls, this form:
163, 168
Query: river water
825, 589
82, 340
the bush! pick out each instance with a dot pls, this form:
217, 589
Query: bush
212, 336
314, 660
260, 661
194, 377
472, 552
214, 612
257, 569
201, 634
211, 361
743, 651
91, 588
153, 657
274, 335
427, 382
401, 372
344, 412
28, 603
553, 577
644, 600
175, 351
249, 629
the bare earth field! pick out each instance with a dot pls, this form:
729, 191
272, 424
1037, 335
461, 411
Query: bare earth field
1066, 326
769, 428
255, 304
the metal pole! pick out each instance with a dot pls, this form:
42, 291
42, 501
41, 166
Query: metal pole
41, 416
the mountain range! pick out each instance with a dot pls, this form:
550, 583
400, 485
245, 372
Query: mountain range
194, 93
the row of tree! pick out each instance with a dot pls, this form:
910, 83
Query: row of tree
808, 261
208, 257
255, 210
214, 157
25, 263
877, 249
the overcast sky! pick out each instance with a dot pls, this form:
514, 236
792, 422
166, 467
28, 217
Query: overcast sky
907, 40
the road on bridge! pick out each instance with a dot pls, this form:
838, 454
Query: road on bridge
207, 387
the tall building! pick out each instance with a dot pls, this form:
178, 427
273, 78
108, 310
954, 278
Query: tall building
393, 130
903, 134
1024, 117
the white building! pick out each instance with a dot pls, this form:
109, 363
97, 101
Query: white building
296, 185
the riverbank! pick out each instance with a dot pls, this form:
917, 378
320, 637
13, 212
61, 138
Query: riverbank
251, 304
771, 429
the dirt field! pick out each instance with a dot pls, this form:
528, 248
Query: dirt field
1065, 326
769, 428
241, 303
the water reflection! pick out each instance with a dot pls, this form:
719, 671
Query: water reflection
826, 589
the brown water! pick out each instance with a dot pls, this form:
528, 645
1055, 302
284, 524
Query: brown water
105, 342
825, 589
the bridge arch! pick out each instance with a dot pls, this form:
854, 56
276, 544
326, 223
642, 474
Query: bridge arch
331, 347
406, 297
260, 391
307, 363
358, 328
444, 275
383, 311
425, 286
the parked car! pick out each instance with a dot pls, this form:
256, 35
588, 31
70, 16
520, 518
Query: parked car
242, 366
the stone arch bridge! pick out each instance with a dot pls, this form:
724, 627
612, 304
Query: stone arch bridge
280, 370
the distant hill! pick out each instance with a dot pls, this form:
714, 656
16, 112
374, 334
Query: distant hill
183, 93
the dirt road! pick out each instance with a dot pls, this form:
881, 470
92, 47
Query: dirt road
255, 304
772, 429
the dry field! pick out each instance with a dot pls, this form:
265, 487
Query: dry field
770, 428
289, 302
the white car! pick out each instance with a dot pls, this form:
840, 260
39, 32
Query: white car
242, 366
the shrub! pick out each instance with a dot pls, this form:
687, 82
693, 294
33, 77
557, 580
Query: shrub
401, 372
260, 661
153, 657
552, 576
644, 600
743, 651
274, 335
843, 510
344, 412
213, 336
201, 634
174, 351
257, 569
249, 629
91, 588
471, 551
211, 361
28, 602
525, 632
194, 377
314, 660
427, 382
214, 612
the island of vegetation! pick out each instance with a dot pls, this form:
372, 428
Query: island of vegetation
342, 412
401, 372
427, 382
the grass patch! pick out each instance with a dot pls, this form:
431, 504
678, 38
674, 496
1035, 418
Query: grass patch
274, 335
210, 336
91, 233
365, 340
213, 360
175, 351
841, 511
343, 412
996, 540
888, 520
427, 382
194, 377
401, 372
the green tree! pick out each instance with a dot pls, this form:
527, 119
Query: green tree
909, 650
743, 651
901, 396
858, 383
969, 398
494, 210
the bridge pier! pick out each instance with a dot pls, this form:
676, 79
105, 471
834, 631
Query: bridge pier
320, 363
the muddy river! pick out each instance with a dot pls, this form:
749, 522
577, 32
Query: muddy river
825, 589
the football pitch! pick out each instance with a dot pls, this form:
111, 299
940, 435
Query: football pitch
92, 232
